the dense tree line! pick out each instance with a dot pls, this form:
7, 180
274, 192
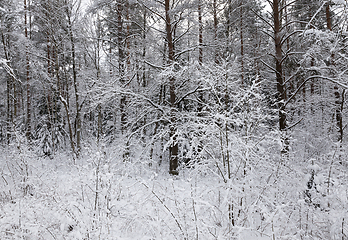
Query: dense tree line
166, 79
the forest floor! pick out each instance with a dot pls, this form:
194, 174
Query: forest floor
104, 198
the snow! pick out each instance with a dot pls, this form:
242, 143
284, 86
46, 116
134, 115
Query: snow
342, 2
103, 197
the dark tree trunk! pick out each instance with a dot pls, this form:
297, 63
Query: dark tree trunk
65, 103
281, 90
120, 39
328, 16
28, 122
200, 32
215, 31
78, 107
281, 93
9, 87
128, 34
241, 41
338, 96
174, 148
144, 50
121, 62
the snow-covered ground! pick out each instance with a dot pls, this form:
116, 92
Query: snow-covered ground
101, 197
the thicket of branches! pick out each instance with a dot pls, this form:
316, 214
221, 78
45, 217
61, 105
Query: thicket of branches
249, 94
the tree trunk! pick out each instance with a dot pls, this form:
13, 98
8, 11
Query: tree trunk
65, 103
144, 50
128, 34
281, 90
228, 29
9, 86
215, 31
200, 34
174, 148
241, 40
97, 66
78, 107
120, 40
328, 16
28, 122
121, 63
338, 96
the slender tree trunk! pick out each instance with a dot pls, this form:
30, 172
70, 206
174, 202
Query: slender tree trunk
78, 107
200, 61
174, 148
48, 93
48, 56
97, 65
286, 23
338, 96
339, 108
110, 58
9, 85
328, 16
28, 122
128, 35
144, 49
200, 34
9, 121
216, 57
281, 90
15, 96
241, 40
228, 28
120, 39
65, 104
279, 71
121, 63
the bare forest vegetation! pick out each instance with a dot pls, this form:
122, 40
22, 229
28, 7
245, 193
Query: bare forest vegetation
174, 119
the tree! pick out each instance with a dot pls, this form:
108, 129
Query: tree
69, 8
278, 44
174, 148
281, 33
27, 24
8, 23
243, 28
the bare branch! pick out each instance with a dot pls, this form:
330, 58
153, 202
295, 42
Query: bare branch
289, 35
293, 125
287, 5
154, 66
272, 68
165, 206
313, 77
187, 94
263, 19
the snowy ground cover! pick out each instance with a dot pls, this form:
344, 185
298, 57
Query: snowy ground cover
102, 197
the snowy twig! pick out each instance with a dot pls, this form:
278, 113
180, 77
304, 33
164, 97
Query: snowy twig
9, 70
293, 125
194, 213
313, 77
171, 213
139, 96
187, 94
154, 66
50, 232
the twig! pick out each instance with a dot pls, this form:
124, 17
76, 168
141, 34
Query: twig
217, 165
194, 213
171, 213
293, 125
51, 233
